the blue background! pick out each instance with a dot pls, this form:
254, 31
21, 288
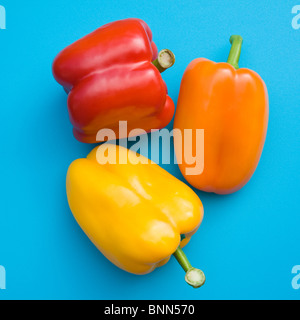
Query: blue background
248, 242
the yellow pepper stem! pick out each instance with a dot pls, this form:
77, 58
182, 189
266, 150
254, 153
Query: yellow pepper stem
194, 277
165, 60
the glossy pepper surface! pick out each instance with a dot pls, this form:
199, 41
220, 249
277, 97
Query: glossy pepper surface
136, 214
110, 77
231, 105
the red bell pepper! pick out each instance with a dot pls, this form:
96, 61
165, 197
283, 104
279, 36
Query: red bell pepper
113, 75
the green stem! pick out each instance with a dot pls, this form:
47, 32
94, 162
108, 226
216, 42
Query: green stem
165, 60
194, 277
235, 51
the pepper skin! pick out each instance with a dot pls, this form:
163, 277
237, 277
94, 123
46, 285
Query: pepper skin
135, 214
231, 105
110, 77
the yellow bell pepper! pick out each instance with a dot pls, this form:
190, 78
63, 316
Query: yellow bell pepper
136, 214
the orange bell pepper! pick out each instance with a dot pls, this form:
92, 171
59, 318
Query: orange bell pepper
231, 105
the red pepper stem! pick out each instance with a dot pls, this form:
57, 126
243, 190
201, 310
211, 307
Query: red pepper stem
194, 277
235, 51
165, 60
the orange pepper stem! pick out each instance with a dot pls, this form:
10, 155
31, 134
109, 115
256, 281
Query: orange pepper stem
165, 60
194, 277
235, 51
